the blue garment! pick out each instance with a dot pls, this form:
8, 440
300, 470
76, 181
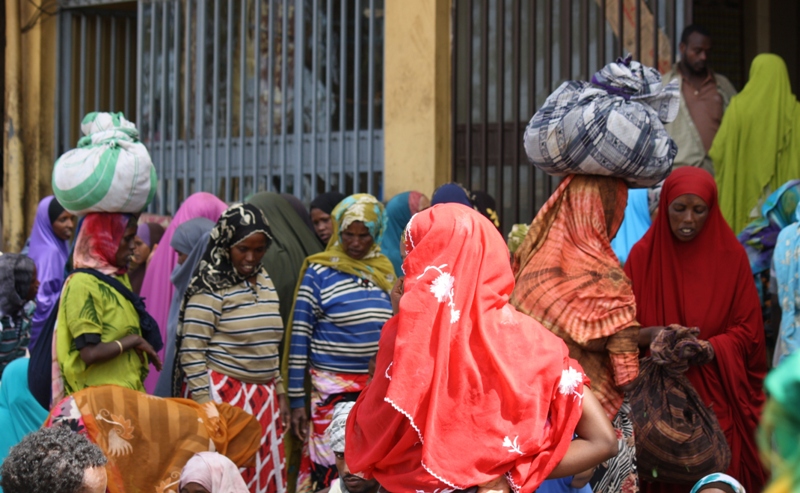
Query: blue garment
451, 193
337, 323
718, 477
399, 213
786, 260
636, 223
562, 485
20, 413
758, 238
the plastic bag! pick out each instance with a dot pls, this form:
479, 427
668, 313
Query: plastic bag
109, 171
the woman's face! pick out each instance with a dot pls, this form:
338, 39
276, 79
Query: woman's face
246, 255
125, 250
141, 251
424, 203
687, 216
64, 226
34, 289
322, 224
356, 240
182, 257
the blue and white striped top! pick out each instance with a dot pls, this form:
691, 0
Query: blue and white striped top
337, 324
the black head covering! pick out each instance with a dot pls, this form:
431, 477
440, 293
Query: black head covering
54, 210
215, 270
300, 209
486, 205
327, 201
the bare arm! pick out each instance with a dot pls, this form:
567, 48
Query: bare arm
106, 351
596, 441
648, 335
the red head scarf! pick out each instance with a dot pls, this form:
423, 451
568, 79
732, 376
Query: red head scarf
707, 283
457, 399
98, 242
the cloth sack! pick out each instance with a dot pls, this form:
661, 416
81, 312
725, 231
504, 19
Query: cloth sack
678, 439
109, 171
611, 126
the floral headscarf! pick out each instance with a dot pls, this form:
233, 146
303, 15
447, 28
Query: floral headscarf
215, 270
364, 208
375, 266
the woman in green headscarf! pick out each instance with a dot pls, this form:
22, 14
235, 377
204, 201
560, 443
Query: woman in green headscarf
292, 242
757, 148
341, 305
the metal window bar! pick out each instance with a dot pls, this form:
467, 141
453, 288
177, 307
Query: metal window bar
550, 41
234, 96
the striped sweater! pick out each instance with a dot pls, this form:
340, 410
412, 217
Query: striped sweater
337, 324
236, 332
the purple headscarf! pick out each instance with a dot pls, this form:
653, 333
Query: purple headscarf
143, 232
49, 253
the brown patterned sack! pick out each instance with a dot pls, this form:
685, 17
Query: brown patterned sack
678, 439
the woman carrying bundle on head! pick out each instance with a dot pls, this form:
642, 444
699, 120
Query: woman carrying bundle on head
99, 338
570, 280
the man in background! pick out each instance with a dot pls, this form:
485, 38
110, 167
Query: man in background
704, 97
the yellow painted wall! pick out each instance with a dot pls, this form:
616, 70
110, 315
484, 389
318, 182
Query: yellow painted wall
417, 88
30, 74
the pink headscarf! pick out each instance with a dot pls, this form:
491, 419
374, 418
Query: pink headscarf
157, 288
214, 472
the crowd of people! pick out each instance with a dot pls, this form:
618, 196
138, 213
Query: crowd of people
359, 347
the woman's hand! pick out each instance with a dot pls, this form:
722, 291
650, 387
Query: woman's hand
143, 347
106, 351
396, 294
499, 485
300, 422
286, 413
647, 335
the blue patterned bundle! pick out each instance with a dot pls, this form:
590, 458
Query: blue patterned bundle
611, 126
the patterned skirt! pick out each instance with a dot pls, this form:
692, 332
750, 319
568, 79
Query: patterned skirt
261, 401
318, 464
619, 474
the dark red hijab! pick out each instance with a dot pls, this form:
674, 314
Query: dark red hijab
707, 283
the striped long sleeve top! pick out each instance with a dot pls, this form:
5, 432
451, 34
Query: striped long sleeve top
337, 324
236, 332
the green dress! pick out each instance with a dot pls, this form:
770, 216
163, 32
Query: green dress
96, 311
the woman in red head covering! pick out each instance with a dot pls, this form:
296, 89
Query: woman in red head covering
466, 388
690, 270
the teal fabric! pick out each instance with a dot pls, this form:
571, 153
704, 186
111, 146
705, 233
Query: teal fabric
718, 477
758, 238
20, 413
787, 274
636, 223
399, 214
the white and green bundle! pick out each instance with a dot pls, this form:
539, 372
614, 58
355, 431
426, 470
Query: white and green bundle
109, 171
